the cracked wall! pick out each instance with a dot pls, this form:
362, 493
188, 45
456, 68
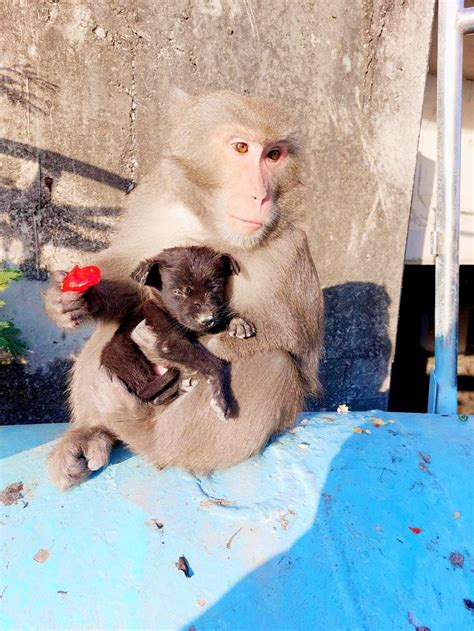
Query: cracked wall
83, 87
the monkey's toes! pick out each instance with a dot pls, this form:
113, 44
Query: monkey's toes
67, 465
241, 328
76, 455
97, 451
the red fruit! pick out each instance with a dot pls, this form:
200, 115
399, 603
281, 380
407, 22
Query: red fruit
81, 278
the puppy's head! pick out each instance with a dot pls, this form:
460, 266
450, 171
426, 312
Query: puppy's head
192, 283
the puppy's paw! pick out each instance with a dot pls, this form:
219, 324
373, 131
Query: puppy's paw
188, 384
221, 409
238, 327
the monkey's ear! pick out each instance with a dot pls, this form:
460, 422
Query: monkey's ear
148, 273
230, 265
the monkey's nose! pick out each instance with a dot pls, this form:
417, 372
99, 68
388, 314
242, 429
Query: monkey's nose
207, 319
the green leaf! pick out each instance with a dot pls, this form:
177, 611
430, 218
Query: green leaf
7, 276
10, 340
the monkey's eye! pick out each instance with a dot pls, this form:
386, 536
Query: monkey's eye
274, 154
240, 147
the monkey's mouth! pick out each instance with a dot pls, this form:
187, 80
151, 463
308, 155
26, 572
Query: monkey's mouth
248, 223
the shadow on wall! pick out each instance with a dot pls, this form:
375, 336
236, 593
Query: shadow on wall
357, 346
30, 220
22, 85
34, 219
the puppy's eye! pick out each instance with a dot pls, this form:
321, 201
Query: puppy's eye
183, 292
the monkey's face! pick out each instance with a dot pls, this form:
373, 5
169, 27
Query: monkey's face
248, 191
241, 156
192, 284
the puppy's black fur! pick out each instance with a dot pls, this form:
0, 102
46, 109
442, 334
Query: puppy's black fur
188, 285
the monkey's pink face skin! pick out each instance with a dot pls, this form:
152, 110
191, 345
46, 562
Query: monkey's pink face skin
249, 173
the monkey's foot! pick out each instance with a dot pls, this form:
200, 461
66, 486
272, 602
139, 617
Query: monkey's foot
77, 454
238, 327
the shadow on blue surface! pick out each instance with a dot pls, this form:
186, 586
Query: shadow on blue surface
19, 438
360, 567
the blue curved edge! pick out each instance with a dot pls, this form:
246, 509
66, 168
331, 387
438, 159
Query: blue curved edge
351, 521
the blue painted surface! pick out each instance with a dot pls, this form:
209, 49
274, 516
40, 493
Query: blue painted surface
320, 526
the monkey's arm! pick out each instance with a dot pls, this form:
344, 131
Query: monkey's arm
288, 317
109, 300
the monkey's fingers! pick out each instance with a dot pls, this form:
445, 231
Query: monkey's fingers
58, 277
70, 301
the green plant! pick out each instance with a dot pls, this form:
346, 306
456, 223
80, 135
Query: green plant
10, 341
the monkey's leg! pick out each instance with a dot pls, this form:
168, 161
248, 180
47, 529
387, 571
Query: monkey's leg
269, 394
95, 398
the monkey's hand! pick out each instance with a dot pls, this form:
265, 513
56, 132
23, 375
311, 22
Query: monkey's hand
67, 309
243, 329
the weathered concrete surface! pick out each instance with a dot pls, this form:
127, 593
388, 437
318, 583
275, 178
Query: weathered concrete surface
84, 84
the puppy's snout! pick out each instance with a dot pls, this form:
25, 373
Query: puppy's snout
206, 319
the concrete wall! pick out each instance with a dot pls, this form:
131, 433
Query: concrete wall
83, 87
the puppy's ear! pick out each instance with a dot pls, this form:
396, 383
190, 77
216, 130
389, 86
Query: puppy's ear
148, 273
230, 265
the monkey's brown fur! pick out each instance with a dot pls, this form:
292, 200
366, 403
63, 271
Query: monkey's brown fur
277, 290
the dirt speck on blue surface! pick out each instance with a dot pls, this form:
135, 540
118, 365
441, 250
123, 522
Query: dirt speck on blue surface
158, 524
12, 493
42, 555
469, 604
229, 543
183, 565
456, 559
411, 620
216, 501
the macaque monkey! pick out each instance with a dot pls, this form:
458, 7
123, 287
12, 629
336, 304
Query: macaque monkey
188, 299
229, 179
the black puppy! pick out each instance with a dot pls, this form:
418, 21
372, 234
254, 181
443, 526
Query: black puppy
188, 286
